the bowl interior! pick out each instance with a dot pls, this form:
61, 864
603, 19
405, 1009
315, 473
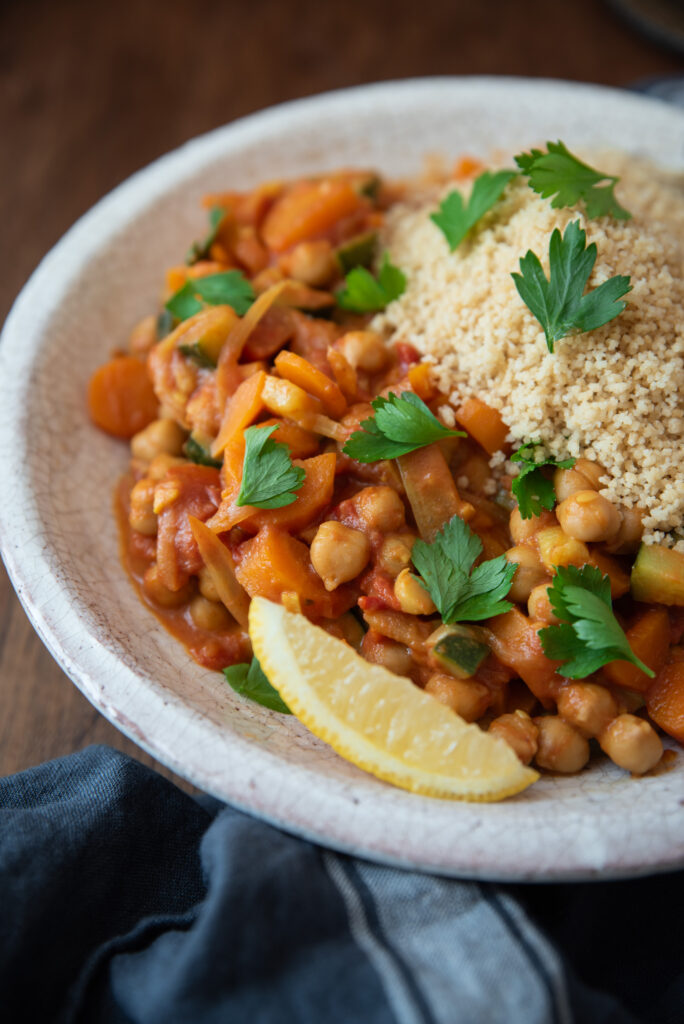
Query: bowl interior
58, 531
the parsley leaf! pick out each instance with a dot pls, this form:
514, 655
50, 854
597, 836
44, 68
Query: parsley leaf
455, 218
590, 636
560, 174
559, 303
462, 595
250, 681
200, 250
364, 293
268, 476
401, 424
230, 288
532, 489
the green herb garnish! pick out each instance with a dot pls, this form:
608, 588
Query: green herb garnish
164, 324
590, 636
196, 452
250, 681
364, 293
401, 424
230, 288
198, 355
559, 303
461, 593
268, 476
560, 174
200, 250
455, 218
532, 489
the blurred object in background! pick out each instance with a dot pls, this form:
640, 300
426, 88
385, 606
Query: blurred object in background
660, 20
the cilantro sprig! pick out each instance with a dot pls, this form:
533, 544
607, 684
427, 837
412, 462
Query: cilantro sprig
559, 303
200, 250
230, 288
533, 490
250, 681
455, 217
461, 593
401, 424
364, 293
589, 635
268, 476
559, 174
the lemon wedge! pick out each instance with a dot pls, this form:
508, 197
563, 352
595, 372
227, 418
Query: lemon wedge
379, 721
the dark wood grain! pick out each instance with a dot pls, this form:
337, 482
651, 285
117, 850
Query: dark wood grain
89, 93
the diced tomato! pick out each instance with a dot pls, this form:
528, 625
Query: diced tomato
198, 494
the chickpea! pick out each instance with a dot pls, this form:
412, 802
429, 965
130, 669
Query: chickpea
395, 552
561, 748
380, 508
632, 744
160, 437
160, 593
413, 598
339, 553
141, 514
365, 350
466, 697
539, 606
313, 263
393, 656
584, 476
207, 587
209, 615
161, 464
522, 529
628, 538
519, 732
588, 707
529, 573
589, 517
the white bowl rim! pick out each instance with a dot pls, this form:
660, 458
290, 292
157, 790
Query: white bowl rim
145, 722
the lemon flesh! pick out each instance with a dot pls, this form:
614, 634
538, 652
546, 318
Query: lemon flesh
380, 722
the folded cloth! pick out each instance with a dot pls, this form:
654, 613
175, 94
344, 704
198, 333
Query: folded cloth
126, 900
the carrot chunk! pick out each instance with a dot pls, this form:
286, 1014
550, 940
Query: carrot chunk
665, 700
515, 642
649, 638
484, 424
299, 371
121, 399
308, 210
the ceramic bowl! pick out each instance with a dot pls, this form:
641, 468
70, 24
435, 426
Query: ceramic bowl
58, 533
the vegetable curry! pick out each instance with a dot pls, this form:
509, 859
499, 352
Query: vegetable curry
281, 447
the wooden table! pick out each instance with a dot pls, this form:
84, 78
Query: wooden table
90, 93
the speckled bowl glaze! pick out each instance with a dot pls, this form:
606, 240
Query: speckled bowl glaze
59, 538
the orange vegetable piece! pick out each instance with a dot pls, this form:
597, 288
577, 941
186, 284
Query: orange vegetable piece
420, 379
344, 372
312, 497
121, 399
467, 167
484, 424
309, 210
298, 370
607, 566
649, 638
665, 700
242, 409
302, 443
515, 641
274, 563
